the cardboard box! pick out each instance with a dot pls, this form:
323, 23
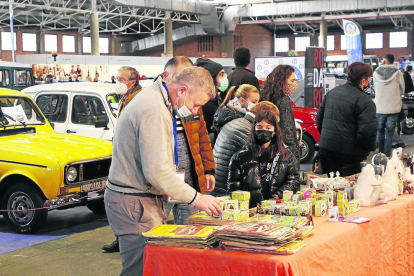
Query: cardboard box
231, 205
243, 205
313, 201
333, 213
343, 207
287, 195
306, 205
240, 195
321, 208
342, 195
230, 215
296, 198
354, 205
222, 200
300, 195
268, 203
306, 195
244, 214
279, 209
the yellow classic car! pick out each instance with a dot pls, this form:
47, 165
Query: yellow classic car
41, 170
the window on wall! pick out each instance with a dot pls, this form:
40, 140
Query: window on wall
237, 42
86, 45
374, 41
343, 42
50, 42
29, 42
68, 43
6, 41
301, 42
330, 43
103, 45
398, 39
205, 44
282, 44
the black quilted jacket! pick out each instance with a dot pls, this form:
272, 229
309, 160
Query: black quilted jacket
246, 173
225, 114
232, 138
347, 121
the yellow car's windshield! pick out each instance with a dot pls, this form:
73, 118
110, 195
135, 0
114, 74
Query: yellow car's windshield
19, 111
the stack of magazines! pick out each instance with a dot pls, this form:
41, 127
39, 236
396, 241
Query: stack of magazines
259, 238
289, 221
193, 236
204, 219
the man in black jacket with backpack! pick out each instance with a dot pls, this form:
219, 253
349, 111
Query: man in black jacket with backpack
347, 122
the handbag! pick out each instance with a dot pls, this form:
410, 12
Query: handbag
317, 166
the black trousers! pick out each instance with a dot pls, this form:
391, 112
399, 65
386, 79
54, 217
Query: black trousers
345, 164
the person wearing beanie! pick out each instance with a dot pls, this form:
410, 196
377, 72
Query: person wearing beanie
221, 82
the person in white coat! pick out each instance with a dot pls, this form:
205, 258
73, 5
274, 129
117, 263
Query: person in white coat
389, 86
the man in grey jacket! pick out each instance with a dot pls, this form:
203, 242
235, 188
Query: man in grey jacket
143, 162
389, 86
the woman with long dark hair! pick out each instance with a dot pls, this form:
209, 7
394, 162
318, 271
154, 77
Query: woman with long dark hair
278, 87
265, 167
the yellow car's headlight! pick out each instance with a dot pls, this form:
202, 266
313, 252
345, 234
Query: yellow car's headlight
71, 174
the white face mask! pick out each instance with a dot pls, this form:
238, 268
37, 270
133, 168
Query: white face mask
250, 106
121, 88
183, 111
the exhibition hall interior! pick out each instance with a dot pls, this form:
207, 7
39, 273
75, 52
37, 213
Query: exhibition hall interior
206, 137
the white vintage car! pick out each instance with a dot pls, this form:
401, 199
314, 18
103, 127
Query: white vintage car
80, 108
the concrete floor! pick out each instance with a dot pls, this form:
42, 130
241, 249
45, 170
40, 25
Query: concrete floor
80, 252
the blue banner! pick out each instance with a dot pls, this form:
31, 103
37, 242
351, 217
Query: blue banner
353, 41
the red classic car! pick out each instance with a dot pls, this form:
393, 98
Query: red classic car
306, 117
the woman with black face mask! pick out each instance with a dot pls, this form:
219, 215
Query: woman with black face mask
265, 167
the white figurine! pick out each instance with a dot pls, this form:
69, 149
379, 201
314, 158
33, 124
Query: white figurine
390, 182
368, 188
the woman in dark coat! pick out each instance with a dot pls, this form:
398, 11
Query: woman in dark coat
278, 87
265, 167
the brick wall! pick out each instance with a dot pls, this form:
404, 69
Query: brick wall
258, 39
379, 52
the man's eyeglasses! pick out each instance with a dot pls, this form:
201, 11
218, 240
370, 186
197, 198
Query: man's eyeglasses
122, 80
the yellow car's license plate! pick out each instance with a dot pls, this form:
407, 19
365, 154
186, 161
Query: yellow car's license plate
95, 185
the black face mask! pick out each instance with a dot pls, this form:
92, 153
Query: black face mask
263, 136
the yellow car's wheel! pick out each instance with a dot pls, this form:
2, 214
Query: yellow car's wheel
20, 200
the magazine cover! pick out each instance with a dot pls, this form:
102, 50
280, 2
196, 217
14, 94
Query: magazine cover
181, 231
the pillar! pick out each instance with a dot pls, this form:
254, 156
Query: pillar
323, 35
112, 45
79, 44
94, 30
41, 43
410, 44
227, 45
168, 40
1, 50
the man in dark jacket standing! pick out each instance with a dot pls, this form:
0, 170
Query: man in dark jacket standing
242, 75
408, 80
347, 123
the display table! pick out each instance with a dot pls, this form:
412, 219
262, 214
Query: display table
383, 246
